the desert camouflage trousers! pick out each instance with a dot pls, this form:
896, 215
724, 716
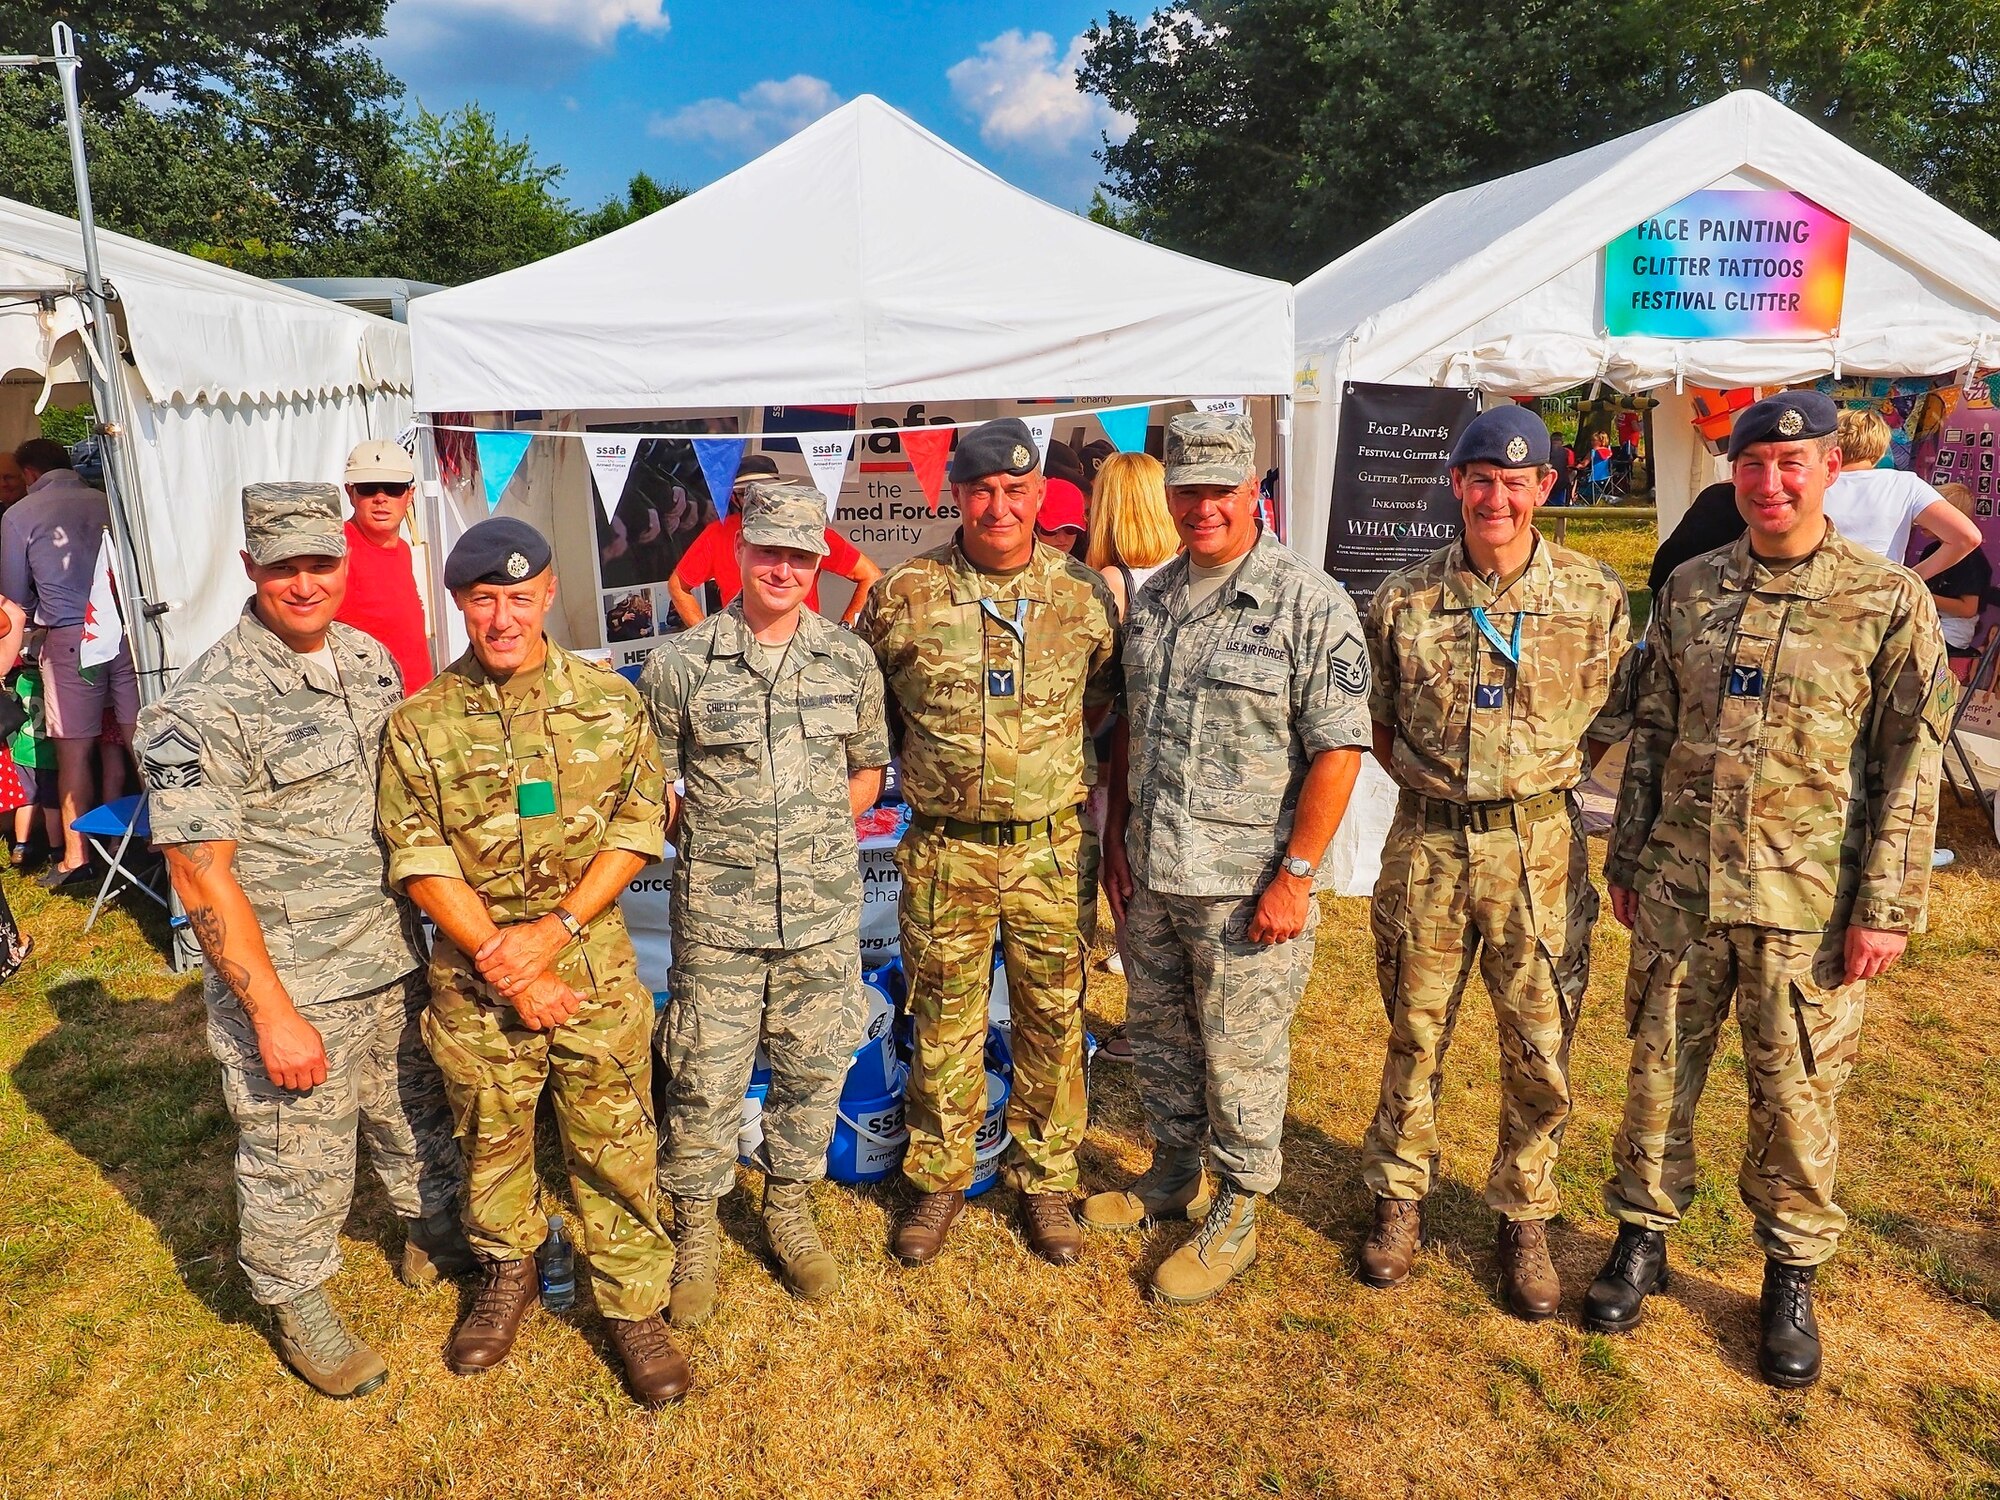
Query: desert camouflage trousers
295, 1153
1209, 1015
955, 893
1801, 1028
805, 1006
598, 1067
1520, 903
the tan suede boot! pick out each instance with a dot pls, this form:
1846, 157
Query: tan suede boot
805, 1264
697, 1261
317, 1344
1222, 1249
1171, 1188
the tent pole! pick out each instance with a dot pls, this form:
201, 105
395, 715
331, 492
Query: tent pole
107, 391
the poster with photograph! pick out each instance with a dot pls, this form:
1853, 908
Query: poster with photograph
665, 505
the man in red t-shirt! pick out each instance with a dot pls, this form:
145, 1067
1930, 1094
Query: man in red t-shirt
381, 575
711, 557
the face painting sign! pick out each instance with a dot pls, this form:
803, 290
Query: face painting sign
1392, 503
1728, 264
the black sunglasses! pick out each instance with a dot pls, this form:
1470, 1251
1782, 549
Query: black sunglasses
368, 490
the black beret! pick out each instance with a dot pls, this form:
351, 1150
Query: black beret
497, 550
1509, 436
1002, 446
1784, 418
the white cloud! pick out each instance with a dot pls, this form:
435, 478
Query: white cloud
1022, 95
594, 22
758, 118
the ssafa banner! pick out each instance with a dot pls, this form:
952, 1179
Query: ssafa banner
826, 460
610, 455
1392, 501
1728, 264
103, 630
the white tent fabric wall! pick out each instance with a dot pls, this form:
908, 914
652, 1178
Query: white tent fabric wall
230, 380
1499, 286
864, 260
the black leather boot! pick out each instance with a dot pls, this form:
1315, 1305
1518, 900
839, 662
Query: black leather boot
1636, 1269
1788, 1342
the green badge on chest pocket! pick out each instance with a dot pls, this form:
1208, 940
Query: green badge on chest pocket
535, 799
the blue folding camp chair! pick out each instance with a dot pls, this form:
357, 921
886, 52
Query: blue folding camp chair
124, 821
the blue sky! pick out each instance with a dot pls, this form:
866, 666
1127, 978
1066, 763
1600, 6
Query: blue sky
689, 89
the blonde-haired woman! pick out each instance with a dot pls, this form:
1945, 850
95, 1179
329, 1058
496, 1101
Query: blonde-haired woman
1877, 507
1129, 537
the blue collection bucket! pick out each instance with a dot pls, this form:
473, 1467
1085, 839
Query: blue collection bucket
991, 1143
750, 1135
869, 1137
872, 1072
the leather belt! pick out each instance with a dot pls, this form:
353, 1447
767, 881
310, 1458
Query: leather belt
1484, 817
999, 834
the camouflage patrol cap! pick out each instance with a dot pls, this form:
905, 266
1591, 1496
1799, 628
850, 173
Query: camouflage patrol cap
287, 520
785, 513
1207, 449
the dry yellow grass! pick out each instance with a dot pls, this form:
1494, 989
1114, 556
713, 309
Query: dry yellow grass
131, 1361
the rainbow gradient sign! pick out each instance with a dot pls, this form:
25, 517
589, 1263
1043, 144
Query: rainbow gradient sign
1728, 264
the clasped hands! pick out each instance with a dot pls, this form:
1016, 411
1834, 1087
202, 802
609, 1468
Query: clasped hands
516, 961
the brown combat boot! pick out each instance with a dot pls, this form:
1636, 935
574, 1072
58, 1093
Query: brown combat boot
1171, 1188
1528, 1281
317, 1344
1392, 1242
656, 1370
697, 1261
925, 1224
486, 1337
1051, 1227
805, 1264
434, 1247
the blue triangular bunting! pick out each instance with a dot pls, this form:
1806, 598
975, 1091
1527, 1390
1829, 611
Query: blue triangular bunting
1126, 427
500, 454
720, 458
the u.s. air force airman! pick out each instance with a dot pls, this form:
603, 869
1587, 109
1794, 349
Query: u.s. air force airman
1246, 713
774, 718
1772, 847
1496, 660
260, 772
520, 793
993, 647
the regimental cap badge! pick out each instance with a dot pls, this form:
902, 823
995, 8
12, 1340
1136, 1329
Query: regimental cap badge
1791, 422
1517, 449
1019, 458
517, 565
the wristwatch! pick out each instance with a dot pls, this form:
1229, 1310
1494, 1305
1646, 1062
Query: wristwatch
569, 922
1302, 868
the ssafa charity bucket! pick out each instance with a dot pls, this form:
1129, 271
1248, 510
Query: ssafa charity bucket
992, 1141
874, 1066
751, 1134
869, 1136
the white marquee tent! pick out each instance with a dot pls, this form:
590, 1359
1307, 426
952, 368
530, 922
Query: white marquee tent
863, 262
228, 379
1500, 286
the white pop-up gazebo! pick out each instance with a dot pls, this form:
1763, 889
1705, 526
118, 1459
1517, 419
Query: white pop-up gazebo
1500, 287
862, 264
227, 380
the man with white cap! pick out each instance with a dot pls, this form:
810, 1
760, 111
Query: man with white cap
382, 596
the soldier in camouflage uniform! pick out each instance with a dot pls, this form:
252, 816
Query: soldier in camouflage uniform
1772, 846
1495, 659
774, 717
260, 772
1246, 707
993, 648
520, 793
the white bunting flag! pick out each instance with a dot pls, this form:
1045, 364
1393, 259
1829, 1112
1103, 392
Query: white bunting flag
826, 457
103, 630
1041, 429
1219, 406
610, 455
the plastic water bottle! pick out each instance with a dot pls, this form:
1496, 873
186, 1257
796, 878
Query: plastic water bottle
557, 1263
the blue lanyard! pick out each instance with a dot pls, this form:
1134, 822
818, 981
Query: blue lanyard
1018, 626
1510, 650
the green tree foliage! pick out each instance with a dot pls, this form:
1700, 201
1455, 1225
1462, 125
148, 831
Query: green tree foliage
1275, 134
643, 196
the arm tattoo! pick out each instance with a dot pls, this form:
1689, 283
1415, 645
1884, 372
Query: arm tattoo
200, 857
211, 932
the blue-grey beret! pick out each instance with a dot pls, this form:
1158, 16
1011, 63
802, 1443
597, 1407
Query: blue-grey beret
1784, 418
497, 550
1002, 446
1509, 436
